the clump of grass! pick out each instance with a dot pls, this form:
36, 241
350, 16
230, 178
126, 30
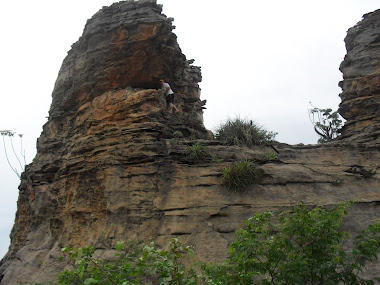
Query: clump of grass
240, 175
271, 156
215, 158
178, 134
243, 132
198, 152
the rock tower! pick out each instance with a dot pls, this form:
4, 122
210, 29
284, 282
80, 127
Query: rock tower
361, 85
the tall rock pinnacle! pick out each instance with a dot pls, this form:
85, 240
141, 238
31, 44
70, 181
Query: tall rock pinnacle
360, 104
127, 44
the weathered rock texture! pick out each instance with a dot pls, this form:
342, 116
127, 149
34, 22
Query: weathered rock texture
107, 168
361, 84
127, 44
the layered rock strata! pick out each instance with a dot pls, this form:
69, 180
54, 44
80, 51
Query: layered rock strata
361, 81
109, 167
130, 43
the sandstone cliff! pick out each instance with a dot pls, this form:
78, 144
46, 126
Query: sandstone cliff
361, 84
107, 168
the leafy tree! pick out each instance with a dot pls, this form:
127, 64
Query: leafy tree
304, 247
301, 246
326, 123
243, 132
19, 157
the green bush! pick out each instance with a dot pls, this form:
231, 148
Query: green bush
300, 247
243, 132
240, 175
197, 152
133, 264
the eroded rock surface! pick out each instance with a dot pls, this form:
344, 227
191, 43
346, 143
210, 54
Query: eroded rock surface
108, 168
126, 44
361, 83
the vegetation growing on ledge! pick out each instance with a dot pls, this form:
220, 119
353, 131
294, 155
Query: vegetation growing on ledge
197, 152
243, 132
239, 176
326, 123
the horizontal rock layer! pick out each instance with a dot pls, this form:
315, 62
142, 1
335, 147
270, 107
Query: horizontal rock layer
127, 44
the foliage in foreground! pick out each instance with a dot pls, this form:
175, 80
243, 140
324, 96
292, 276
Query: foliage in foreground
243, 132
239, 176
132, 264
326, 123
297, 247
304, 247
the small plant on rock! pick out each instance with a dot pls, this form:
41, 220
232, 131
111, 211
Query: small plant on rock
215, 158
177, 135
326, 123
198, 152
240, 175
271, 156
243, 132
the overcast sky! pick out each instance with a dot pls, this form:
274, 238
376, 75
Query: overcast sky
263, 60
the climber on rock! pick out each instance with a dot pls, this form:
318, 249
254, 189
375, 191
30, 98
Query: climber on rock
169, 96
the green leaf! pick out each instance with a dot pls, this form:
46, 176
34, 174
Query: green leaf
89, 281
119, 246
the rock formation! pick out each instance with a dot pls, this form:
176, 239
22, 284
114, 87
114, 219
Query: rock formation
361, 84
107, 167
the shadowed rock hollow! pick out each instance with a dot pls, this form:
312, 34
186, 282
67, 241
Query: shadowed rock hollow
107, 168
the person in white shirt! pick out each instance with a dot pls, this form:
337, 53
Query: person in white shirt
169, 96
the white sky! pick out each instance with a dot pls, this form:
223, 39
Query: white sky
264, 60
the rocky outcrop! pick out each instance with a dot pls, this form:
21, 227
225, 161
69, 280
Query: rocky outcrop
361, 83
108, 166
126, 44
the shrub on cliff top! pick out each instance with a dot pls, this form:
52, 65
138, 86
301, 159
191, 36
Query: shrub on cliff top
243, 132
326, 123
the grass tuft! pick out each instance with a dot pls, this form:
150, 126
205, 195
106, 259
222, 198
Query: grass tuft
240, 175
243, 132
